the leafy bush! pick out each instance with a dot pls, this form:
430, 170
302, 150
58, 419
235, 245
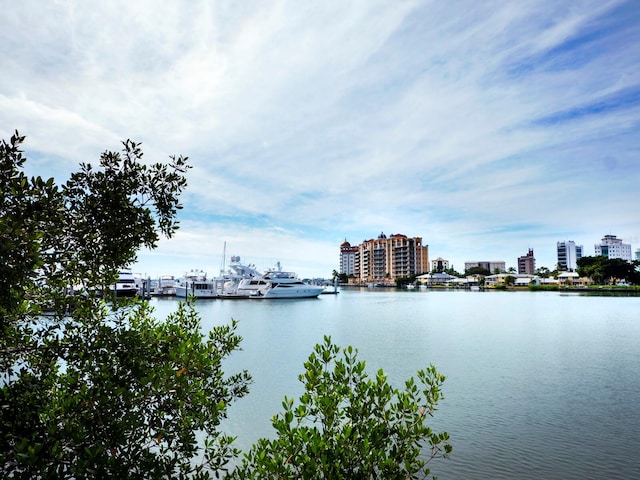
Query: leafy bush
349, 426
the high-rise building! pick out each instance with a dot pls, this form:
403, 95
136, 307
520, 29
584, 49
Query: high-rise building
568, 255
527, 263
386, 258
637, 254
612, 247
347, 258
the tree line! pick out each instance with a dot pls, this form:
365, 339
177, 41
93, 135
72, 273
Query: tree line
609, 270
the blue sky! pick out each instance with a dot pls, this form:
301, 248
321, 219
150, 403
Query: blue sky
486, 128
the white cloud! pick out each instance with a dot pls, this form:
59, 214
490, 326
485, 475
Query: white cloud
485, 128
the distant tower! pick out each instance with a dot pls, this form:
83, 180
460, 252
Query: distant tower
612, 247
568, 255
527, 263
347, 258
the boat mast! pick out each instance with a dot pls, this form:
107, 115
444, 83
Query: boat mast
224, 258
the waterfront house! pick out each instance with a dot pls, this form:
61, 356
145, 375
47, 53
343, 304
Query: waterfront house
520, 279
572, 278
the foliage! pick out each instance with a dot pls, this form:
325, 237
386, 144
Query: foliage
542, 288
83, 232
451, 271
609, 270
342, 277
102, 389
29, 208
404, 281
120, 394
543, 272
477, 271
349, 426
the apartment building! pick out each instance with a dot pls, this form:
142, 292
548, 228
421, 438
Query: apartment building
527, 263
612, 247
568, 255
348, 258
383, 259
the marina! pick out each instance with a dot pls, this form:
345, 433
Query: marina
239, 282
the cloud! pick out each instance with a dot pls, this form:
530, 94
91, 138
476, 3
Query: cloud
485, 128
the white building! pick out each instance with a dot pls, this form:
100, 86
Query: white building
347, 258
439, 265
612, 247
568, 255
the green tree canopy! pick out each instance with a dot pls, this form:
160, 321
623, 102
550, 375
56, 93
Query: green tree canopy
477, 271
404, 281
103, 390
607, 270
543, 272
452, 271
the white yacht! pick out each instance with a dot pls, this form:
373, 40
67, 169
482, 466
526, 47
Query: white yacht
126, 285
163, 286
289, 286
242, 281
246, 282
195, 283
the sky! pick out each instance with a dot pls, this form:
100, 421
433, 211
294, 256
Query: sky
485, 128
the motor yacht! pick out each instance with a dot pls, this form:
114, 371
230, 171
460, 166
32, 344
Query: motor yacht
196, 283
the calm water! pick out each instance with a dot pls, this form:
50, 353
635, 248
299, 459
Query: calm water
539, 385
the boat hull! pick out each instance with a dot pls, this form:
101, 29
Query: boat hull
197, 290
284, 291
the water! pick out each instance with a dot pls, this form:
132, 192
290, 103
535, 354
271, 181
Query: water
539, 384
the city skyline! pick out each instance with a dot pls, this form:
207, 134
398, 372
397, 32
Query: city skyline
486, 129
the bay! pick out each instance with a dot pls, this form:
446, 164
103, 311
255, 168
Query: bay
539, 384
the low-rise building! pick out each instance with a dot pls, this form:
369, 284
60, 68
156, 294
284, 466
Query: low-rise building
492, 265
439, 265
436, 278
519, 279
572, 278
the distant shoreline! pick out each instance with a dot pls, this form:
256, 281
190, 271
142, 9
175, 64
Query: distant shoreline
609, 289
